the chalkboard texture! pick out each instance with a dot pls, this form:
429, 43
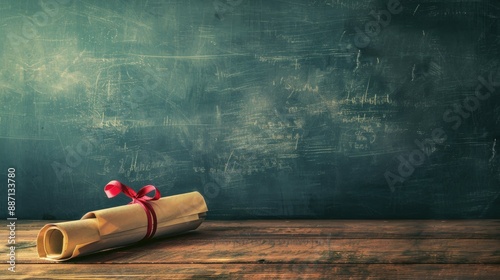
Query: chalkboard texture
271, 109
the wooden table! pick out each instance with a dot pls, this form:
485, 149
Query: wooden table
281, 249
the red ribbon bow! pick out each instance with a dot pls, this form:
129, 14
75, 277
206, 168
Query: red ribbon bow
114, 188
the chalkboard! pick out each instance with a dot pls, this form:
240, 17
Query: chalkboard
270, 109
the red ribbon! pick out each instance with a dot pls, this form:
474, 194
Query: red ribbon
114, 188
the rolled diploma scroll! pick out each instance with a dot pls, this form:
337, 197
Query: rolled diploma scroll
119, 226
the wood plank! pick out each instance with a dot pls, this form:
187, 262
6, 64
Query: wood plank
192, 247
322, 249
447, 229
297, 242
253, 271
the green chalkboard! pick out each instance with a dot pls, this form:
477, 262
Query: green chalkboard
270, 109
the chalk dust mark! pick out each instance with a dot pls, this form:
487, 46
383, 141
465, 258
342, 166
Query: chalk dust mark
193, 57
413, 73
26, 138
229, 158
493, 151
416, 9
358, 62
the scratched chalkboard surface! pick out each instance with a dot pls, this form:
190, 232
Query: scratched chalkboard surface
270, 109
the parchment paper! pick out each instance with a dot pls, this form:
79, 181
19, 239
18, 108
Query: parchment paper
119, 226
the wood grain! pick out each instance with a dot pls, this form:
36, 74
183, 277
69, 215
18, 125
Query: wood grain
257, 271
307, 249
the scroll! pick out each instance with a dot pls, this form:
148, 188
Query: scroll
144, 218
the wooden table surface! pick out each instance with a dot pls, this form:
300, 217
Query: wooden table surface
285, 249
